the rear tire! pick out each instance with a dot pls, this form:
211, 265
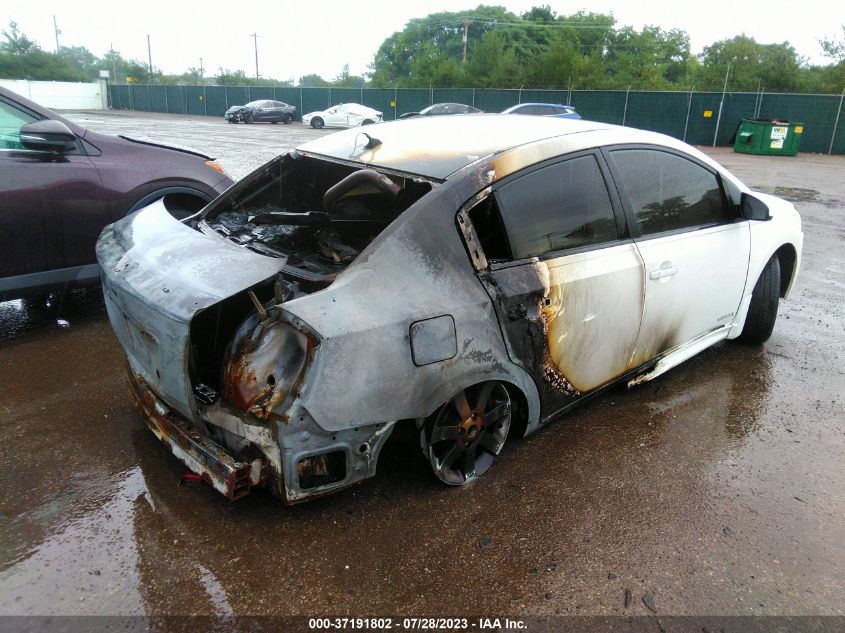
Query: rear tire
763, 310
465, 435
249, 118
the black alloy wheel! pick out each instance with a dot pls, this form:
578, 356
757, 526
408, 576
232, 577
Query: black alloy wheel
465, 435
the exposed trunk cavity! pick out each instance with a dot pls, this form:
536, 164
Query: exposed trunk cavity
317, 215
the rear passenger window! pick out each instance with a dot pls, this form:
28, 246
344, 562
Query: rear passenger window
565, 205
668, 192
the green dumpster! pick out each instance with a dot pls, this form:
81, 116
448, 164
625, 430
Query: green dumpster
763, 136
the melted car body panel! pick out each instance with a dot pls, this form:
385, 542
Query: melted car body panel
315, 374
157, 274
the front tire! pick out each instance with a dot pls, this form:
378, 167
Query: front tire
366, 122
249, 118
317, 123
763, 309
465, 435
287, 119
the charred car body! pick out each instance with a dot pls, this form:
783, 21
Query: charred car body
473, 276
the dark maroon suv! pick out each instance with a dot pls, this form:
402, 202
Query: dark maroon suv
61, 184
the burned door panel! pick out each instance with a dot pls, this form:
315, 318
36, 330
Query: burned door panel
571, 321
571, 301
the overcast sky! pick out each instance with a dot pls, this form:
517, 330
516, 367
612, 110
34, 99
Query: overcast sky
299, 38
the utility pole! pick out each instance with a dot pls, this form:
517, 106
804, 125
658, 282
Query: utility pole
57, 31
254, 36
113, 64
202, 74
466, 32
150, 57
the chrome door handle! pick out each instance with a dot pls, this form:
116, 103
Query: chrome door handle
663, 272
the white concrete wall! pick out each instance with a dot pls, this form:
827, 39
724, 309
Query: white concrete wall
61, 95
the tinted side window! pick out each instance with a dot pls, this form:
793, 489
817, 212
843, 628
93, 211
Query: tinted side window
561, 206
668, 192
11, 121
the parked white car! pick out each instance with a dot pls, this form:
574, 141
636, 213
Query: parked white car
343, 115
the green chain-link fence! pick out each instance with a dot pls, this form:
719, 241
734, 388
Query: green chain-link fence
691, 116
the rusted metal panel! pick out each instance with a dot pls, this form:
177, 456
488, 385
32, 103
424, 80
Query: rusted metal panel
212, 462
157, 274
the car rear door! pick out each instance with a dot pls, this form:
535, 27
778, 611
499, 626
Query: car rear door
566, 281
46, 200
693, 242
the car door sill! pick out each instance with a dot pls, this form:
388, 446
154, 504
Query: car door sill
48, 280
649, 370
684, 352
627, 376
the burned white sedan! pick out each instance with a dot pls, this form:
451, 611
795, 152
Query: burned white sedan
476, 277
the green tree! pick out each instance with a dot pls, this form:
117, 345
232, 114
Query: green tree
494, 63
834, 48
441, 33
774, 67
21, 58
651, 59
82, 60
345, 80
313, 81
226, 77
17, 43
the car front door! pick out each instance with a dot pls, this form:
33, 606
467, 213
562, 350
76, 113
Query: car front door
693, 242
264, 111
566, 281
46, 197
336, 117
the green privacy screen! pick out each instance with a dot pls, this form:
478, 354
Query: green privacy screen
699, 118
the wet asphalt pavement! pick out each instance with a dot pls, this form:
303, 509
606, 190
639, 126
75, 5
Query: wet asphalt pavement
718, 488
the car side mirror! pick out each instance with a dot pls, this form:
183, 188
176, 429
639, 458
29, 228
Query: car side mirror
47, 136
753, 208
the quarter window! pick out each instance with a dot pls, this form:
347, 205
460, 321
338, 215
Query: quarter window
668, 192
565, 205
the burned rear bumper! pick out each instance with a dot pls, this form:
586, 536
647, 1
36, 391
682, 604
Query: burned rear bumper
226, 474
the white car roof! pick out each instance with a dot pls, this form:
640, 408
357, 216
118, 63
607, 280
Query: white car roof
437, 147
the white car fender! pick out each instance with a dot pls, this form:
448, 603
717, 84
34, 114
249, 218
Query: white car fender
767, 237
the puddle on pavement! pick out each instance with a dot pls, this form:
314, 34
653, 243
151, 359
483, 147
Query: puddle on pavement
799, 195
38, 315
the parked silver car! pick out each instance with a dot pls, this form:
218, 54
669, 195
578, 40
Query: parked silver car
473, 276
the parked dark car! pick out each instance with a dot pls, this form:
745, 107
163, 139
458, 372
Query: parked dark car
544, 109
261, 112
439, 109
60, 184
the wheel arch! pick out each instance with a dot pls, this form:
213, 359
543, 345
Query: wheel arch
521, 389
156, 194
787, 255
